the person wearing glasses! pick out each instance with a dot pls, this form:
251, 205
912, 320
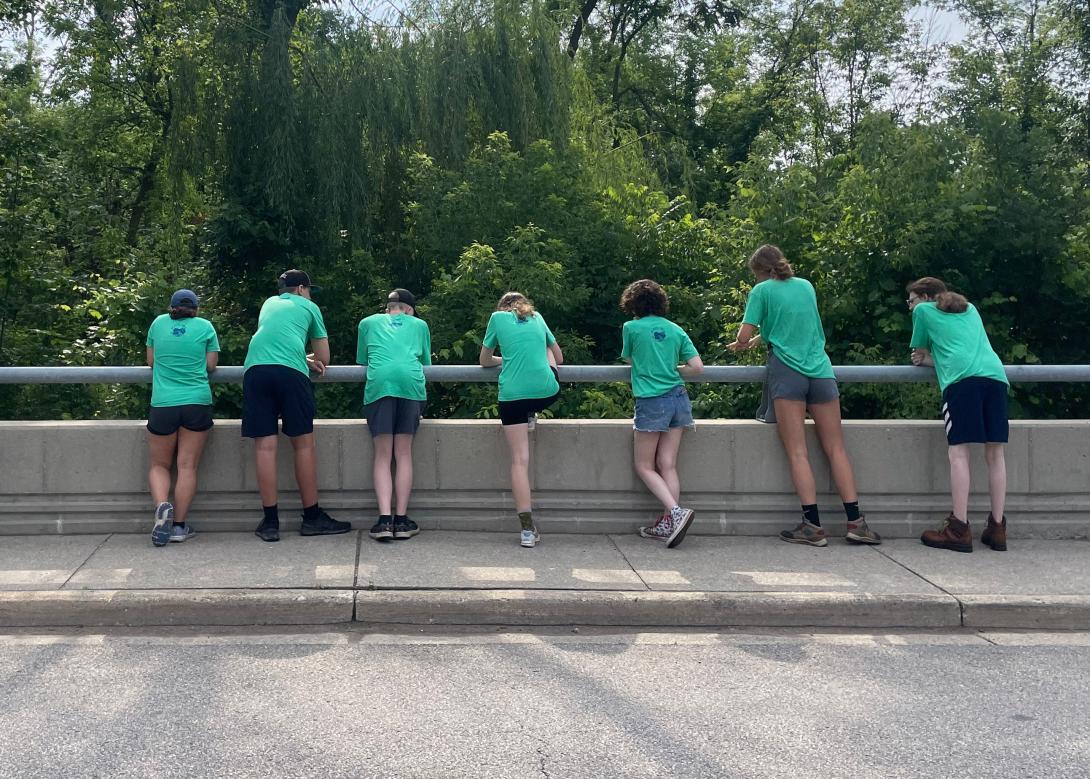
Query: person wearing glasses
947, 333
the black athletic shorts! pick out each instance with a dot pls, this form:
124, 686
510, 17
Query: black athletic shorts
165, 420
272, 392
393, 416
975, 411
517, 412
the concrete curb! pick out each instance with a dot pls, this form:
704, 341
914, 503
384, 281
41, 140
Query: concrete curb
537, 608
144, 608
655, 609
1053, 612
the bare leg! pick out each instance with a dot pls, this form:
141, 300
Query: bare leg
959, 480
995, 455
831, 435
380, 472
403, 456
190, 447
518, 441
265, 460
644, 449
666, 460
306, 468
791, 425
161, 459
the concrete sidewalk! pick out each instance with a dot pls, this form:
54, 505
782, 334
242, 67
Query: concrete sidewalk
462, 578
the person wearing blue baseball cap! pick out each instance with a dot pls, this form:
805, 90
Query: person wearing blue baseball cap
182, 349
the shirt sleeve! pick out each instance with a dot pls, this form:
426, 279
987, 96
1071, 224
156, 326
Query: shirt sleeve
920, 337
317, 325
425, 338
550, 339
626, 347
755, 307
213, 344
491, 338
687, 351
361, 343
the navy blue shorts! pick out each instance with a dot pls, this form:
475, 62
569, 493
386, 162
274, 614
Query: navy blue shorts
975, 411
165, 420
274, 392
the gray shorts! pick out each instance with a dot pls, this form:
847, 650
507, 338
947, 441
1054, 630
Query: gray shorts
393, 416
784, 383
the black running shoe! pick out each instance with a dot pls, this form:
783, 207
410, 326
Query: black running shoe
268, 531
383, 530
405, 528
323, 525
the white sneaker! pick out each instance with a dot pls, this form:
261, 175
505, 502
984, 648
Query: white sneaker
529, 538
164, 518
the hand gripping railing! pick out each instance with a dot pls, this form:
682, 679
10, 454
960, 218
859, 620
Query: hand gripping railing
584, 374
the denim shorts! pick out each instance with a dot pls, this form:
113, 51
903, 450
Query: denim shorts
661, 413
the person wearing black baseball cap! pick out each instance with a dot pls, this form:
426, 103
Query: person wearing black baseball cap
182, 349
395, 347
276, 387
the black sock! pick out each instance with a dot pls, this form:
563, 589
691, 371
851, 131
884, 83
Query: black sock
310, 512
810, 512
272, 513
178, 524
400, 517
526, 520
385, 518
852, 510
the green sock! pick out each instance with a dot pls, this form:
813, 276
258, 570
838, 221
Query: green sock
526, 521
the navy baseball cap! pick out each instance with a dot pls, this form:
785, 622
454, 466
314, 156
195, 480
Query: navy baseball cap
184, 297
402, 296
296, 278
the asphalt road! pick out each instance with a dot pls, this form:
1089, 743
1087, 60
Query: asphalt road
361, 703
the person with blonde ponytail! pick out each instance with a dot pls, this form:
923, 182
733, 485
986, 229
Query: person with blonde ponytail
947, 333
529, 383
799, 378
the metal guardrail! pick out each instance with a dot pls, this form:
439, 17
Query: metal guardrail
583, 374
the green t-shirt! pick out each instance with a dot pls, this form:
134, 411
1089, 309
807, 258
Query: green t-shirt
179, 374
395, 348
525, 372
655, 346
286, 325
786, 313
958, 344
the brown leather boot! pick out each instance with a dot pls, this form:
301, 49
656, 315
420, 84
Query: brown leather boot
954, 535
995, 534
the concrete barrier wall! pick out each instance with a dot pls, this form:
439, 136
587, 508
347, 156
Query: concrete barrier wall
82, 477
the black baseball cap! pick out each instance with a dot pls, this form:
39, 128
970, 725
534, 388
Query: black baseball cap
184, 297
402, 296
296, 278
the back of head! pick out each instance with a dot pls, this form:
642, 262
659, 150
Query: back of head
928, 287
184, 304
769, 260
951, 303
644, 298
516, 302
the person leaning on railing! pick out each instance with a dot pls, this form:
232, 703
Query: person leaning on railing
947, 333
182, 349
799, 378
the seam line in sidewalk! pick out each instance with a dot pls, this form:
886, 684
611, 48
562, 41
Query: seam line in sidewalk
86, 560
957, 600
628, 562
356, 570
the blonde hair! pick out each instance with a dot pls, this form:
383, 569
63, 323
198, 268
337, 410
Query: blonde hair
517, 302
769, 259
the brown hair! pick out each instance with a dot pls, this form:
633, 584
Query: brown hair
644, 298
517, 302
934, 289
182, 312
769, 259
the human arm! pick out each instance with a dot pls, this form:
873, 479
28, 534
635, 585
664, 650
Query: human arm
748, 337
691, 368
150, 357
211, 360
318, 358
489, 359
923, 358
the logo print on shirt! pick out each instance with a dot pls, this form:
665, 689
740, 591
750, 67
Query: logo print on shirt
396, 322
178, 330
659, 334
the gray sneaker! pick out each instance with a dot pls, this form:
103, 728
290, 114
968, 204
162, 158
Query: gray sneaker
179, 533
529, 538
860, 533
805, 533
680, 518
164, 518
